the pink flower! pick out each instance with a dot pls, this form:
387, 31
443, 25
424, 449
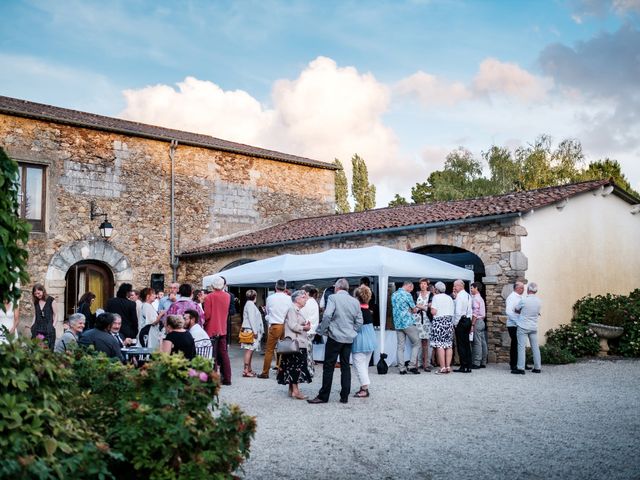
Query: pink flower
192, 373
203, 377
40, 336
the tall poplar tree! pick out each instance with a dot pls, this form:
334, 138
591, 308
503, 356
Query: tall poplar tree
342, 189
364, 194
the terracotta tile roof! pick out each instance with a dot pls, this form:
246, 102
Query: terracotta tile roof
399, 218
40, 111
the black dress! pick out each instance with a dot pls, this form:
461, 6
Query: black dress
182, 342
43, 324
85, 309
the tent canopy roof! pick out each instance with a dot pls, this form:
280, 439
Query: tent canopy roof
335, 263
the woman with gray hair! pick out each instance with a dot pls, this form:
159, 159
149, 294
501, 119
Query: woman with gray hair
442, 327
69, 339
293, 366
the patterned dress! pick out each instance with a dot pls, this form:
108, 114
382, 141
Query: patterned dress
422, 320
442, 325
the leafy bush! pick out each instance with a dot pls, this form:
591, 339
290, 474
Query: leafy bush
161, 421
596, 309
551, 354
615, 310
15, 233
40, 437
579, 340
629, 343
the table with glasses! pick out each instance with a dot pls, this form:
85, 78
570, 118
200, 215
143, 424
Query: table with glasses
137, 355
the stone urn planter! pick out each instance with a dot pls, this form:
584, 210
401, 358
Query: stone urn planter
605, 333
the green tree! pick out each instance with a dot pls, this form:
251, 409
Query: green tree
364, 194
14, 233
458, 179
342, 189
398, 201
505, 170
609, 169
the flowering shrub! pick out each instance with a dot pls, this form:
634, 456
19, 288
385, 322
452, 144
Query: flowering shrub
161, 421
616, 310
578, 340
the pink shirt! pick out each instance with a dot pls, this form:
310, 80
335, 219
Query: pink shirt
478, 308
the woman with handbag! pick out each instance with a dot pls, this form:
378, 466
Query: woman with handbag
250, 332
293, 366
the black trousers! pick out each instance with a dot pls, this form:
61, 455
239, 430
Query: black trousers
462, 342
332, 350
513, 350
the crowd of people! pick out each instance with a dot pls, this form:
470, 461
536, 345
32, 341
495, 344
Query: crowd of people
195, 322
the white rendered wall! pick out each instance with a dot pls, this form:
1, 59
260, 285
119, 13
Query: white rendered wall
590, 246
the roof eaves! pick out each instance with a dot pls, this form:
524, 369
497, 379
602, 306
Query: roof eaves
486, 218
164, 138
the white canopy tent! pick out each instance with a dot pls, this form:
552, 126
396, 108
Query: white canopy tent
384, 263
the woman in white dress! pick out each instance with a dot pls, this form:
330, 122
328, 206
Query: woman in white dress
251, 322
9, 319
151, 319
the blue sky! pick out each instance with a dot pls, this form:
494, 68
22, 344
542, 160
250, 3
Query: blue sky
400, 82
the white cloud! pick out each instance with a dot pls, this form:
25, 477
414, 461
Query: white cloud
201, 107
326, 112
432, 91
496, 77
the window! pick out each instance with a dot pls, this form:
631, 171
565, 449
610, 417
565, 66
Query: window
32, 195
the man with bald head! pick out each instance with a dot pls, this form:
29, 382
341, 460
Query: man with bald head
512, 322
462, 314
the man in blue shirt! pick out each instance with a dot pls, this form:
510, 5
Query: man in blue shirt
404, 322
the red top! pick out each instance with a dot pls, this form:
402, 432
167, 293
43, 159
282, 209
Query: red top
216, 310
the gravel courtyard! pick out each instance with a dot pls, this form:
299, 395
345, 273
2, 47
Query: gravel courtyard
578, 421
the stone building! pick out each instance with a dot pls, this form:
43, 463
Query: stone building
572, 240
156, 186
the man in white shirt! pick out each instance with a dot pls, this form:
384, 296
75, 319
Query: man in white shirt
200, 337
512, 322
462, 322
278, 304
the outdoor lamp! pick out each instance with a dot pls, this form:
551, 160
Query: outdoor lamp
106, 229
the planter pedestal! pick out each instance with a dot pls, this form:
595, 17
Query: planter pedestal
605, 333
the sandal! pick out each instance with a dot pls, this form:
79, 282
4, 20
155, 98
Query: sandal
362, 393
248, 374
442, 371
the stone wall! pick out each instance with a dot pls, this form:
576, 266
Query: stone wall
129, 178
497, 243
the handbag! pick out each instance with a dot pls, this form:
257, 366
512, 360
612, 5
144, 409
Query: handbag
246, 336
382, 366
287, 345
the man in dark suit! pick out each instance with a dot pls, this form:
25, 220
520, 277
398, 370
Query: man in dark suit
115, 331
126, 308
100, 338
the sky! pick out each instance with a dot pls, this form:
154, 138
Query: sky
400, 82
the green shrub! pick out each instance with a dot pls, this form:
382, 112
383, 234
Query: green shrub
577, 339
40, 437
629, 343
615, 310
551, 354
108, 420
596, 309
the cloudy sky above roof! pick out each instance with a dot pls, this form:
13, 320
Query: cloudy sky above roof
402, 83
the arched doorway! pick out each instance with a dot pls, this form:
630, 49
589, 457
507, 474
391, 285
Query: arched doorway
455, 256
88, 276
